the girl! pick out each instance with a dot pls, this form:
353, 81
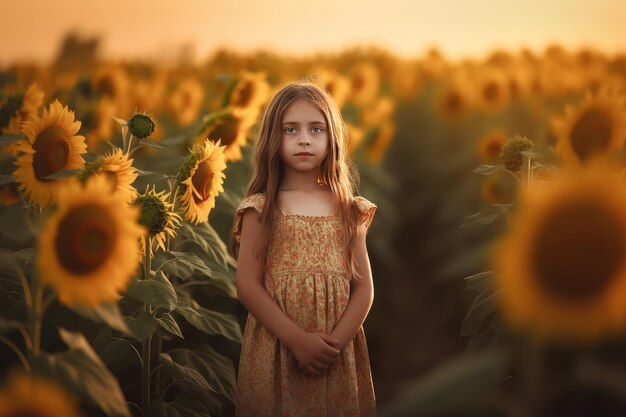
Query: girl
303, 270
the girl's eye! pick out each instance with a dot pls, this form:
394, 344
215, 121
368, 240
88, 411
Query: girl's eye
290, 130
317, 130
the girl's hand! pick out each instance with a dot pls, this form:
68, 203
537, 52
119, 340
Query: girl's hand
315, 352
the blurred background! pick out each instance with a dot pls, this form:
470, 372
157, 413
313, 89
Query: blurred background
430, 92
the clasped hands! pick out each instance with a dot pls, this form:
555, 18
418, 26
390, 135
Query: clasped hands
315, 352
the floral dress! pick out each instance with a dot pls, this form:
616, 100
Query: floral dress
307, 278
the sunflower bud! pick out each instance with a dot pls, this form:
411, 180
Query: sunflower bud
141, 125
153, 212
511, 155
158, 216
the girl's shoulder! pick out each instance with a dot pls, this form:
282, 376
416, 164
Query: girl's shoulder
366, 210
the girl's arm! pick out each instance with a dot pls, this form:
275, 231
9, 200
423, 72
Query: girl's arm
313, 350
361, 294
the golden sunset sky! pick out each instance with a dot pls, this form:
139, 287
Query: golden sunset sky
31, 29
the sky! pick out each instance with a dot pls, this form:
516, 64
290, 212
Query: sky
32, 29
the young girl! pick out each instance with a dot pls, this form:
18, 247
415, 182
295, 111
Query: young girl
303, 270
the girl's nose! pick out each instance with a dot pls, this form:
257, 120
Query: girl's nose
304, 139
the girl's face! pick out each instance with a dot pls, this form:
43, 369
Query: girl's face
304, 137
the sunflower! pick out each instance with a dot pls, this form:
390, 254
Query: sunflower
201, 178
562, 268
355, 137
455, 100
335, 84
251, 91
149, 93
88, 247
26, 395
365, 83
595, 129
17, 108
186, 100
405, 80
492, 88
511, 155
9, 194
497, 189
112, 82
490, 145
97, 122
379, 111
231, 128
157, 216
118, 168
51, 145
383, 136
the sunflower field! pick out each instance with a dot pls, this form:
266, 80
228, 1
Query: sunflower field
498, 250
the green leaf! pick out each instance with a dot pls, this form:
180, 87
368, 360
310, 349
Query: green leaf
151, 144
150, 173
107, 313
142, 326
487, 214
81, 370
204, 368
530, 154
488, 169
452, 389
156, 292
187, 404
9, 325
211, 322
181, 264
6, 179
62, 174
480, 281
10, 138
168, 322
483, 306
118, 120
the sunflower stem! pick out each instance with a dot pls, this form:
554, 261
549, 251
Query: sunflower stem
130, 141
25, 286
38, 320
532, 377
124, 129
147, 260
17, 351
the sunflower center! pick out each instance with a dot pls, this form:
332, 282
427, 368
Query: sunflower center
26, 411
453, 103
202, 181
85, 238
226, 130
578, 251
52, 152
591, 135
494, 148
491, 92
245, 95
358, 83
106, 87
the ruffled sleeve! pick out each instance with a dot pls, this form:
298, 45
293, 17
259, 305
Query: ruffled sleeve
255, 201
366, 210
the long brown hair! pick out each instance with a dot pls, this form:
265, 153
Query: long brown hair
336, 170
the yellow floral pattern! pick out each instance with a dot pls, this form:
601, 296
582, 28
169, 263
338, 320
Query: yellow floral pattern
306, 277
